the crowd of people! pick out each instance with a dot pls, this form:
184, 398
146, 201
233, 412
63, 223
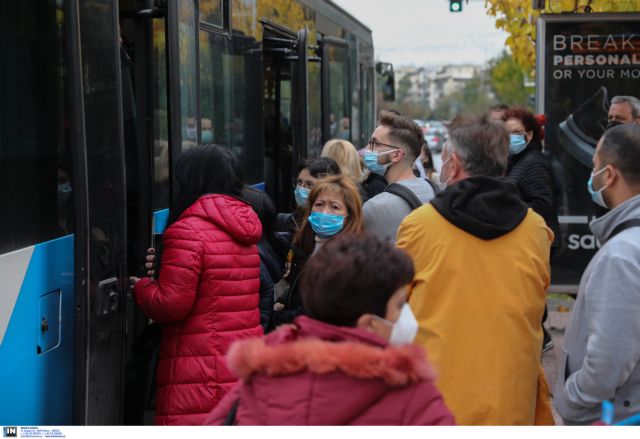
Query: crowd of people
394, 294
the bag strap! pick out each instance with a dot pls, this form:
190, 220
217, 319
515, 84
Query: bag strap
624, 226
405, 193
231, 417
436, 189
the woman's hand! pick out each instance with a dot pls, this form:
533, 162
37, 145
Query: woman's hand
150, 259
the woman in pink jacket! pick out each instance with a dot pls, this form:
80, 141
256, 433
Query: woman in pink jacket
351, 360
206, 296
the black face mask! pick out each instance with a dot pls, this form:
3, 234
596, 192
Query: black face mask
614, 123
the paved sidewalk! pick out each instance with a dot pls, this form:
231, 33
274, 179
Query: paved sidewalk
556, 324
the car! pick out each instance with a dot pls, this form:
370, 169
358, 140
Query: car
435, 138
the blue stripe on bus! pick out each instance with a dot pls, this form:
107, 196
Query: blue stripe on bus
38, 388
260, 186
160, 219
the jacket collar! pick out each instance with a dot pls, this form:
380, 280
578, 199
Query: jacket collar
603, 226
320, 348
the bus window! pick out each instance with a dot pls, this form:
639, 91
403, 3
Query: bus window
315, 110
211, 11
36, 180
337, 57
215, 89
366, 81
160, 191
187, 27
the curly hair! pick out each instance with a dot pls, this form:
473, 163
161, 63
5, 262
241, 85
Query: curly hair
528, 120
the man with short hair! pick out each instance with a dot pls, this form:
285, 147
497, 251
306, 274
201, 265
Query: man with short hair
482, 270
601, 355
393, 148
624, 109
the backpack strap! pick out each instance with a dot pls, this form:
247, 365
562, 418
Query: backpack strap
436, 189
405, 193
624, 226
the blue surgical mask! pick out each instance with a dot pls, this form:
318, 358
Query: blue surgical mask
326, 224
371, 162
207, 136
301, 194
597, 196
517, 144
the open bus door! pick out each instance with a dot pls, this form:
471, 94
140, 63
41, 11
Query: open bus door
161, 45
100, 256
286, 111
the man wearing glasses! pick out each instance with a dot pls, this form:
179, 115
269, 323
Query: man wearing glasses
392, 150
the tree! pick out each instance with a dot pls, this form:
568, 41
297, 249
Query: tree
518, 19
507, 81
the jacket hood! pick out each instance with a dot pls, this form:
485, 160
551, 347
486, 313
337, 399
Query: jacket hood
486, 207
320, 348
232, 215
603, 227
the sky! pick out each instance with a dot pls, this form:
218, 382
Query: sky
424, 33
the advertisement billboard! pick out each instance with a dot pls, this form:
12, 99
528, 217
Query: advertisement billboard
583, 61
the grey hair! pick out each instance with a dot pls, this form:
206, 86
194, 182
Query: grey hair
482, 146
633, 102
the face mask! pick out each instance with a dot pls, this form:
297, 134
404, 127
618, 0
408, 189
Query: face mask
597, 196
614, 123
404, 330
443, 185
371, 162
64, 192
207, 136
518, 144
301, 194
191, 133
325, 224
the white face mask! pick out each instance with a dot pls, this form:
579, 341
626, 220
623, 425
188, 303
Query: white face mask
443, 185
405, 329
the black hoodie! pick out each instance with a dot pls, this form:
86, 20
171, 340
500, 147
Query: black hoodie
486, 207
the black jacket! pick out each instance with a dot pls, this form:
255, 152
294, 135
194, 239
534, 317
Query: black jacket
531, 171
375, 184
291, 299
270, 275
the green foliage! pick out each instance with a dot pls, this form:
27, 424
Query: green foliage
507, 81
517, 18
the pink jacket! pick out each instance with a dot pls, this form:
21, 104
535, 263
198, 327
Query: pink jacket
313, 373
207, 297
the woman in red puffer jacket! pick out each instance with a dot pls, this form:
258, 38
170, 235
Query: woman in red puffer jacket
207, 293
351, 361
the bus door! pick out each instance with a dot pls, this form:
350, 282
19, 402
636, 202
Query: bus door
100, 266
158, 50
285, 108
336, 88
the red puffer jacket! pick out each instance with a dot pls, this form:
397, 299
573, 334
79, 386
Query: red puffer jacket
313, 373
207, 297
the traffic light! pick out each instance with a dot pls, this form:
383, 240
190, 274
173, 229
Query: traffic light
455, 5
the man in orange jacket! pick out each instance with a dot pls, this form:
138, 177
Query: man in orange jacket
482, 271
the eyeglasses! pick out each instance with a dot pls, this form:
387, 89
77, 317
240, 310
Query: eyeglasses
373, 142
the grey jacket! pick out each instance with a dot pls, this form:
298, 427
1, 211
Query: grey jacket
384, 212
601, 352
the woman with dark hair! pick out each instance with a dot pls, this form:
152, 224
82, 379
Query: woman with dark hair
351, 360
207, 293
531, 170
333, 207
425, 167
270, 263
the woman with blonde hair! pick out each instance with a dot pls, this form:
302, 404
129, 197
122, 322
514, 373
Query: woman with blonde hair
333, 208
346, 156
